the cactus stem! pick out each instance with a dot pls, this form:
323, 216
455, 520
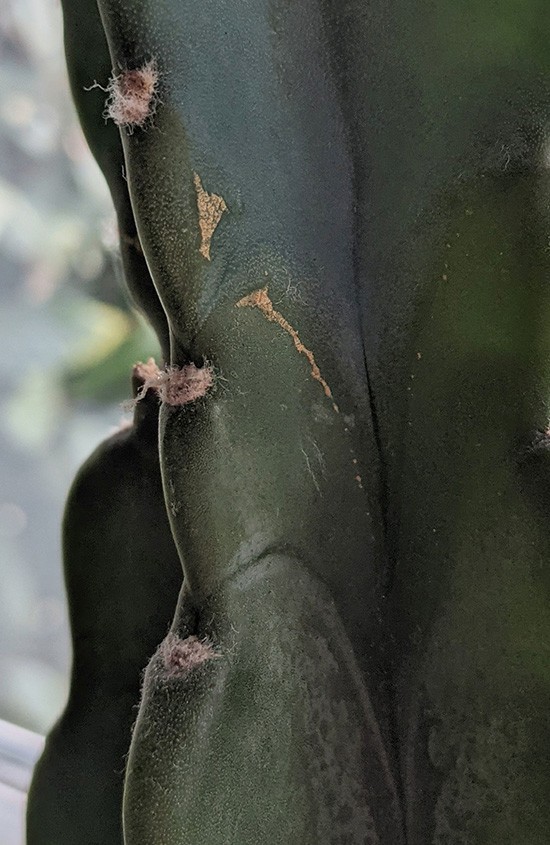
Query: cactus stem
133, 96
182, 656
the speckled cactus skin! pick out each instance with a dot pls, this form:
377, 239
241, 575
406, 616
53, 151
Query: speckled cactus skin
344, 209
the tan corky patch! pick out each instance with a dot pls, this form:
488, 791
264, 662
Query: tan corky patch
260, 299
211, 209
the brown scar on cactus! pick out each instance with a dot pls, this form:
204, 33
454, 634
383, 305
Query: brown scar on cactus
211, 209
133, 96
182, 656
174, 385
260, 299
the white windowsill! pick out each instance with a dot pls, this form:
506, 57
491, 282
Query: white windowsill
19, 751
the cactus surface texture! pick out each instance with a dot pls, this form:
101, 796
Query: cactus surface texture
336, 215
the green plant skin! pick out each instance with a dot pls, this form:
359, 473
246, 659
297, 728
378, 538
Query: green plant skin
89, 67
269, 460
387, 160
237, 466
122, 576
447, 112
471, 590
280, 721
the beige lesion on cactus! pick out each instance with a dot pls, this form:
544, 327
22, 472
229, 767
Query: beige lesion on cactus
211, 210
260, 299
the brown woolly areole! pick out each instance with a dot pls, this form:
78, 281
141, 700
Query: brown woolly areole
181, 656
174, 385
147, 371
132, 96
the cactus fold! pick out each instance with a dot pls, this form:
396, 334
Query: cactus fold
343, 208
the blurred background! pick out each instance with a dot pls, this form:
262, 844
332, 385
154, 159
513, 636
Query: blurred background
69, 340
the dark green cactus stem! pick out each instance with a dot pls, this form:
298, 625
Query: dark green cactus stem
121, 601
279, 528
448, 113
471, 590
448, 117
355, 156
344, 207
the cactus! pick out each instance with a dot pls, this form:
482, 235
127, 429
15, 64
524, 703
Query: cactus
121, 601
342, 213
